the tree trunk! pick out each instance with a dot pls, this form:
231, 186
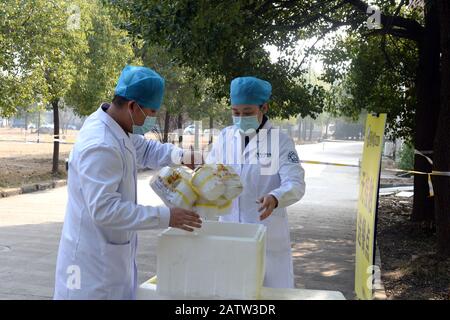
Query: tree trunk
299, 135
180, 129
428, 91
211, 127
442, 141
55, 137
311, 127
304, 129
39, 126
166, 126
394, 149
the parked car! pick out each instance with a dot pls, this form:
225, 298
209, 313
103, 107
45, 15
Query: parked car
48, 128
17, 124
213, 131
178, 132
31, 126
189, 129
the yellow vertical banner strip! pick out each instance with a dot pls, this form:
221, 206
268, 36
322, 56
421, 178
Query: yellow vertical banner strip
367, 205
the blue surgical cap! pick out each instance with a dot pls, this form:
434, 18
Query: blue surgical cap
142, 85
250, 90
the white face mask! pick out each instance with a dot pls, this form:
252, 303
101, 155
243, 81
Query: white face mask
149, 123
246, 123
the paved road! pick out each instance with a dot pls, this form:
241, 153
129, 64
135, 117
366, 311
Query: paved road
323, 222
323, 229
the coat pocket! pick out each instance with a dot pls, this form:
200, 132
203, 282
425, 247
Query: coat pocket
117, 273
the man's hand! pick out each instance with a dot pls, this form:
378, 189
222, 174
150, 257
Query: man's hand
268, 203
184, 219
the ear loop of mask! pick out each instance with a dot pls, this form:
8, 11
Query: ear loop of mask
131, 116
141, 109
132, 120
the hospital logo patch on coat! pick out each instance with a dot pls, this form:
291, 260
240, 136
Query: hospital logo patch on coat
293, 157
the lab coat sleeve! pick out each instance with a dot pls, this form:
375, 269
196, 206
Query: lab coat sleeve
154, 154
216, 154
292, 176
211, 157
100, 173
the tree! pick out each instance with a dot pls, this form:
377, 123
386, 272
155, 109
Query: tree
227, 38
222, 40
179, 90
60, 49
109, 49
367, 80
396, 70
20, 71
42, 57
442, 138
58, 52
186, 92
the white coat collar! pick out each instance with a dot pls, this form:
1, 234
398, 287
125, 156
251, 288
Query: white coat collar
259, 138
116, 129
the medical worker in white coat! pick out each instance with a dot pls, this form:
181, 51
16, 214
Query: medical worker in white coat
97, 251
271, 174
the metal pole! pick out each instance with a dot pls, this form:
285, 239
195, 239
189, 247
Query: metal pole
198, 132
39, 125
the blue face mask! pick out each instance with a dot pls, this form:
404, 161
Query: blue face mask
149, 123
246, 123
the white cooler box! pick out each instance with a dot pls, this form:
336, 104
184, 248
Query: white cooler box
220, 260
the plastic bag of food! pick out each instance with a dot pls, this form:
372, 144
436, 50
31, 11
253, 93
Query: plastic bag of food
232, 181
207, 183
209, 190
173, 186
211, 210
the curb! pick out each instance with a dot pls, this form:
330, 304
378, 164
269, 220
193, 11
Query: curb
379, 292
29, 188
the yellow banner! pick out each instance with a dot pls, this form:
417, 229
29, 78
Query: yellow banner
367, 205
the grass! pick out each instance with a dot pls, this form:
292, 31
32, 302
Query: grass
27, 163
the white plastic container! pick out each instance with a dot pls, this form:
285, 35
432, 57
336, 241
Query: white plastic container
219, 261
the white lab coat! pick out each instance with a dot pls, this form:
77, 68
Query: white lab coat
268, 165
96, 257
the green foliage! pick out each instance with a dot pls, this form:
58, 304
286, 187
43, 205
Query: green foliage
28, 52
53, 50
186, 92
376, 74
406, 157
225, 39
199, 46
368, 70
108, 51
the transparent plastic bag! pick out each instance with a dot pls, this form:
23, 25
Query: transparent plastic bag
173, 186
